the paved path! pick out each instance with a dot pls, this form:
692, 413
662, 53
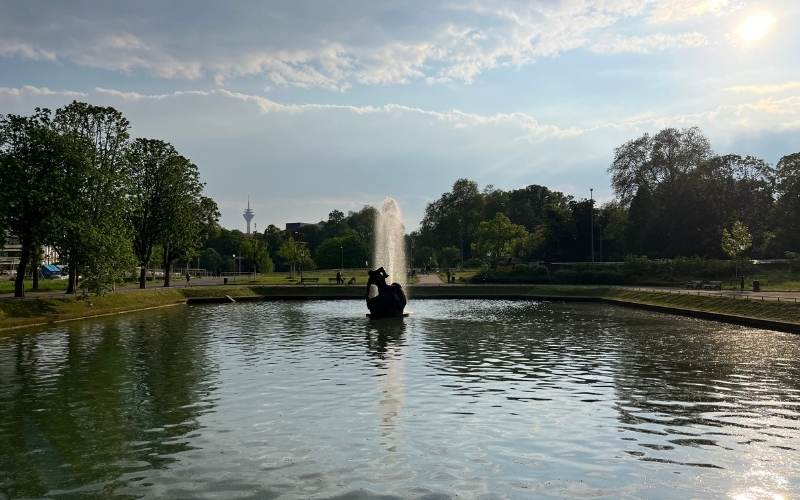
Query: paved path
429, 279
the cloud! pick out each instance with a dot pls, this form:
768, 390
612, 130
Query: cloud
532, 129
679, 10
644, 44
30, 91
765, 89
329, 49
11, 48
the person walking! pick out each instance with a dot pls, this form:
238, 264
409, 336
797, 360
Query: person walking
188, 279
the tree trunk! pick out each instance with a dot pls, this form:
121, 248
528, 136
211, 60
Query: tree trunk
19, 283
143, 275
167, 273
72, 279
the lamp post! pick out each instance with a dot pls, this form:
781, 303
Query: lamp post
741, 262
234, 268
342, 249
591, 220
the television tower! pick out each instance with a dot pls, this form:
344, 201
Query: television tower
248, 214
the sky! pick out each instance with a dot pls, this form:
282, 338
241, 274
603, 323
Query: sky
307, 107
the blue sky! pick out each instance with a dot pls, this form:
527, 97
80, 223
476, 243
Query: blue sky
313, 106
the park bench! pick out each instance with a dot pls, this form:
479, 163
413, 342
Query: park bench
713, 285
303, 281
694, 284
333, 280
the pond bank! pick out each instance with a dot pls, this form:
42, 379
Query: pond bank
782, 316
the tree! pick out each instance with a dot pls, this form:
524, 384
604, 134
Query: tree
497, 238
449, 256
363, 223
660, 167
335, 217
787, 178
154, 174
451, 220
96, 235
735, 242
36, 164
256, 250
350, 251
193, 216
654, 161
290, 252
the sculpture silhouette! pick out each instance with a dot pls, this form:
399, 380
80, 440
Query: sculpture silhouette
390, 300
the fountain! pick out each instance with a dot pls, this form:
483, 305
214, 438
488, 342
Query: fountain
387, 300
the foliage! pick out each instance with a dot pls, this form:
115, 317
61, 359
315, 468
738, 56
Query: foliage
735, 242
36, 167
342, 252
497, 238
292, 253
255, 250
449, 257
95, 235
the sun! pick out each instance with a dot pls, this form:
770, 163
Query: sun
754, 27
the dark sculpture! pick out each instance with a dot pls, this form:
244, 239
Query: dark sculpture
390, 300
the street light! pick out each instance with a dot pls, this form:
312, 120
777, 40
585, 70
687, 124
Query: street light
342, 249
591, 220
741, 261
234, 268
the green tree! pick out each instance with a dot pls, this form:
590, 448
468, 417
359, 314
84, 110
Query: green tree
453, 218
36, 164
363, 223
787, 178
350, 251
498, 237
291, 253
737, 241
449, 256
193, 217
96, 235
256, 250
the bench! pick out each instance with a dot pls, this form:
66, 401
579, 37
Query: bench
303, 281
333, 280
694, 284
712, 285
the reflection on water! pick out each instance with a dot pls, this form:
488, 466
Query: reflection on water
473, 399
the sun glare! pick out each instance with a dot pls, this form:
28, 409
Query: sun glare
754, 27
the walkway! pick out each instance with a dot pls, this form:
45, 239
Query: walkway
429, 279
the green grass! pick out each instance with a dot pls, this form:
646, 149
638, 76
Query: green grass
16, 312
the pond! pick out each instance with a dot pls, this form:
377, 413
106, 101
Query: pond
467, 399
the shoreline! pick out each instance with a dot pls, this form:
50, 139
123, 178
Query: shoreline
769, 315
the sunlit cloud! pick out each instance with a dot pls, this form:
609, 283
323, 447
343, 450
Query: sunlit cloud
766, 89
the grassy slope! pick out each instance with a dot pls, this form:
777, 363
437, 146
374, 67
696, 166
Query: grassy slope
14, 312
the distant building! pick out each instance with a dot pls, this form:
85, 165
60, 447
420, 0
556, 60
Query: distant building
293, 227
248, 214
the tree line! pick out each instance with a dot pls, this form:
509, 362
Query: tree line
674, 196
74, 180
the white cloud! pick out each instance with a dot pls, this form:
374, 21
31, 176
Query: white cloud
457, 43
644, 44
30, 91
679, 10
11, 48
765, 89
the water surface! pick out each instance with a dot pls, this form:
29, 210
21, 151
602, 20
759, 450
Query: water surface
467, 399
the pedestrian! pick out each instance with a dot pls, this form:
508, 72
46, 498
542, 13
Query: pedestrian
339, 280
448, 275
188, 279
